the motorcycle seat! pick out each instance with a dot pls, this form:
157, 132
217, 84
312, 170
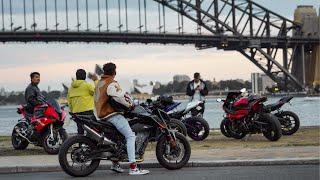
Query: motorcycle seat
272, 106
106, 124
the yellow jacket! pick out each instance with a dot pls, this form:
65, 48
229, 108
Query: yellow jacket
80, 96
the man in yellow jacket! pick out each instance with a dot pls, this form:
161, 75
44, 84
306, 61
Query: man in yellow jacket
80, 96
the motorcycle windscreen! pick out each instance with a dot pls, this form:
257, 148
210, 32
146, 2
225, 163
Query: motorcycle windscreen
233, 95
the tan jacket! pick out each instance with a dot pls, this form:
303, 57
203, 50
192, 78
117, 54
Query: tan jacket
101, 97
108, 87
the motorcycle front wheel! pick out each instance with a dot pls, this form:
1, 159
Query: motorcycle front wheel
234, 129
52, 145
272, 130
171, 157
75, 156
224, 127
18, 142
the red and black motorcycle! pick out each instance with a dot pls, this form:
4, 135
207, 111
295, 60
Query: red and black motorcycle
42, 128
246, 115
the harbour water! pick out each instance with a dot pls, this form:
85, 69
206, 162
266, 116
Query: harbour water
307, 108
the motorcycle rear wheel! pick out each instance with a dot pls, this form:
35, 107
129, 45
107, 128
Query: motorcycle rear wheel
290, 122
197, 128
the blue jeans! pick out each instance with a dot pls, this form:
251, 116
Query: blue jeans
122, 125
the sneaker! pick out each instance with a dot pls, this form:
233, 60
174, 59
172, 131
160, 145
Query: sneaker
137, 171
116, 168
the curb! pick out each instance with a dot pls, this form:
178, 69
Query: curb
219, 163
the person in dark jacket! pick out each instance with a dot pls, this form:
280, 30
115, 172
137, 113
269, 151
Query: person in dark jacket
33, 96
197, 88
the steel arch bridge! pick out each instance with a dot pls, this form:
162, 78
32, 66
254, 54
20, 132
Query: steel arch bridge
266, 38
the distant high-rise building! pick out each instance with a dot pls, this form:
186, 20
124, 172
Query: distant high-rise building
260, 82
255, 83
181, 78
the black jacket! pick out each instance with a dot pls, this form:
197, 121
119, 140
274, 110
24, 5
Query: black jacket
33, 96
191, 88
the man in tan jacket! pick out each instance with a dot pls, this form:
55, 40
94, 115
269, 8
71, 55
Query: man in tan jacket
107, 87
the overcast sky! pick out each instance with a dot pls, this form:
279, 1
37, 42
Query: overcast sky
57, 62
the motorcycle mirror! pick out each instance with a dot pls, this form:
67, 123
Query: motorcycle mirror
219, 100
243, 90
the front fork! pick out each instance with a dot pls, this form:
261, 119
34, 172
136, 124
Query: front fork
171, 137
51, 132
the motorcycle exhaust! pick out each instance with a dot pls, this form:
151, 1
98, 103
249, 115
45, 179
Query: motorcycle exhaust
96, 136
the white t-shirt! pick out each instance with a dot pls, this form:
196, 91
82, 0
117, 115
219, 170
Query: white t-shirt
197, 95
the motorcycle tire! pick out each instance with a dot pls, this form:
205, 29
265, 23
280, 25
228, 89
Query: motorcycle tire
18, 142
237, 135
288, 117
53, 150
161, 150
273, 132
63, 153
224, 128
177, 125
194, 126
235, 132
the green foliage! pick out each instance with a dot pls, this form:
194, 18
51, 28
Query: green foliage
234, 84
13, 98
181, 87
18, 97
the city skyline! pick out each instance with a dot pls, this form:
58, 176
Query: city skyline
58, 62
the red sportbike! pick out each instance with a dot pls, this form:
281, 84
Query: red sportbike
246, 115
42, 128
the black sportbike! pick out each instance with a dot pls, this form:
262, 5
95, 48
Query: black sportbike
289, 120
191, 117
80, 155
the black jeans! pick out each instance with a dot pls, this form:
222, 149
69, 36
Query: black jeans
87, 113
